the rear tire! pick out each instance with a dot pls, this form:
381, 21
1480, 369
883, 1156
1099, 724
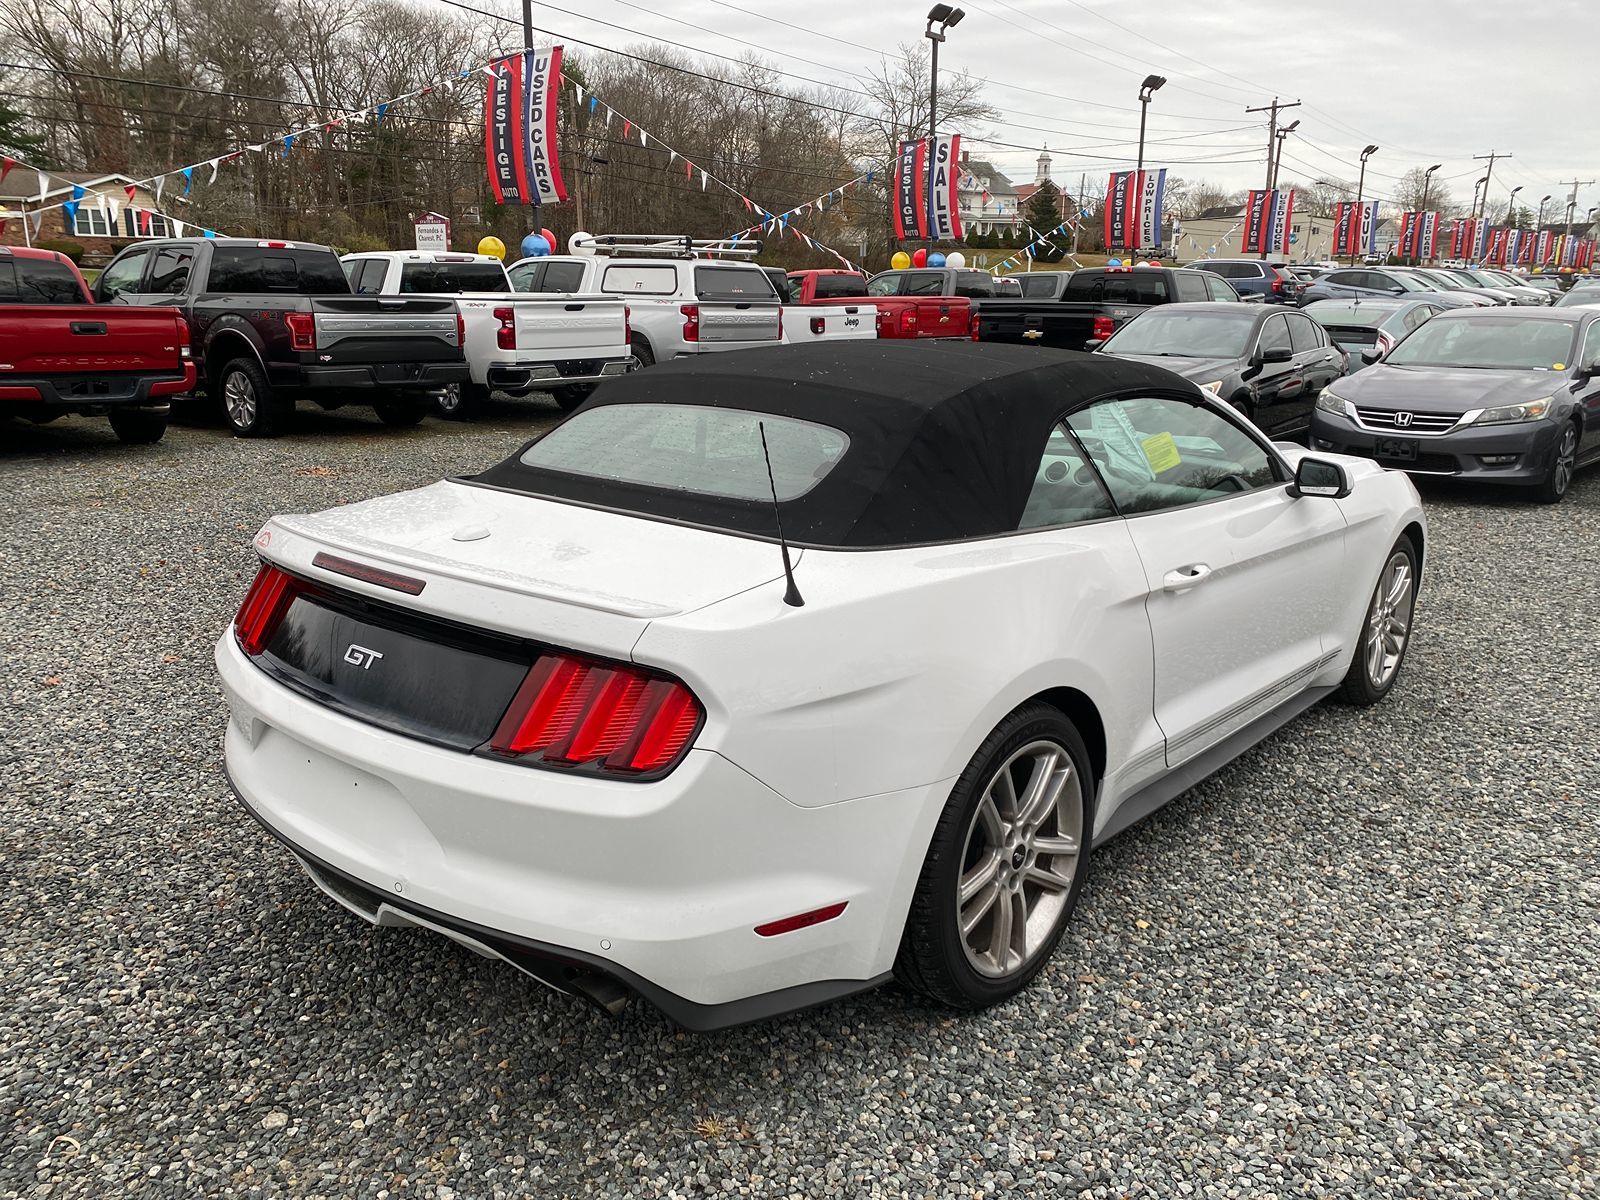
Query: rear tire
138, 428
251, 407
1002, 875
1552, 489
460, 401
402, 412
573, 395
1386, 631
642, 352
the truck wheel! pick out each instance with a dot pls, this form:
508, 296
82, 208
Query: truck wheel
138, 428
642, 352
574, 394
403, 411
248, 401
460, 401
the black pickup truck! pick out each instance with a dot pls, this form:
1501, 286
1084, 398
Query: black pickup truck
274, 322
1093, 304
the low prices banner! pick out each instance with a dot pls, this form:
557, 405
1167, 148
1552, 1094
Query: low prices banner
1133, 209
910, 188
519, 128
944, 210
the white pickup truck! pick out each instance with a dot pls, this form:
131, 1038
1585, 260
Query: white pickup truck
685, 297
564, 344
822, 322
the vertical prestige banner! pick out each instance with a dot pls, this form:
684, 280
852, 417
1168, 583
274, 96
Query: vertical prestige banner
910, 208
1343, 220
519, 128
1257, 218
1121, 201
944, 212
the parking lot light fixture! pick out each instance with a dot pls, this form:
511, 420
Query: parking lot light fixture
946, 18
1361, 186
1151, 85
1511, 209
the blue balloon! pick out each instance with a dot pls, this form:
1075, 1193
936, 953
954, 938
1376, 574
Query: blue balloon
936, 259
534, 246
1113, 262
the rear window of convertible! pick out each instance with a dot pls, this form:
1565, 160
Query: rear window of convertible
684, 448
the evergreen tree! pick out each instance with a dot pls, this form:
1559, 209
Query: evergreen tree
15, 138
1043, 212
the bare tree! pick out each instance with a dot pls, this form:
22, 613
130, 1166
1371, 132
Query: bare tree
1414, 187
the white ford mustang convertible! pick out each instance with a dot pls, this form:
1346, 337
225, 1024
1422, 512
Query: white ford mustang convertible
771, 676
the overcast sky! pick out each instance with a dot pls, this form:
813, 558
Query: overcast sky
1479, 75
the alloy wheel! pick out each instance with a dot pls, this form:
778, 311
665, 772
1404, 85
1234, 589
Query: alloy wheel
1389, 620
449, 399
1566, 460
1019, 859
239, 397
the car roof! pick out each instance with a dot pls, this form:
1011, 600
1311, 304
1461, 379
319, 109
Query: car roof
34, 252
1502, 312
944, 436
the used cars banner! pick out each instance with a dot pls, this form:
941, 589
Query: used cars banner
519, 128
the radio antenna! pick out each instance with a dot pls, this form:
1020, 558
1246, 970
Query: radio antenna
791, 595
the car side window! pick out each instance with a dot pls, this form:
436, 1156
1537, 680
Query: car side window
121, 276
1191, 285
1418, 315
1589, 356
524, 276
367, 278
1303, 333
1220, 289
1347, 278
887, 284
1275, 334
923, 283
1066, 489
169, 273
1159, 452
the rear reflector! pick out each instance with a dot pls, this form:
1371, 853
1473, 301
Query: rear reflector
268, 599
369, 574
802, 920
618, 718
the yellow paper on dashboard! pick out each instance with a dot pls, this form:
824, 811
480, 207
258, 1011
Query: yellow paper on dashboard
1161, 452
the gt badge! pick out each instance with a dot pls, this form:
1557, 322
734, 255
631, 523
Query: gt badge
360, 656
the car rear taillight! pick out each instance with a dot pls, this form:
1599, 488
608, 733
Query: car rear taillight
819, 325
977, 329
691, 322
780, 322
908, 322
627, 325
506, 335
620, 719
302, 330
461, 329
264, 605
1277, 285
185, 346
1104, 327
1385, 342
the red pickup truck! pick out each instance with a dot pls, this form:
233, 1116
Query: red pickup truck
62, 353
900, 315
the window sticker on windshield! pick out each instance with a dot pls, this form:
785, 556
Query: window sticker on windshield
1161, 452
1558, 366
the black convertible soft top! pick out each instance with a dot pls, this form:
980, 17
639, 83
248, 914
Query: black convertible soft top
945, 436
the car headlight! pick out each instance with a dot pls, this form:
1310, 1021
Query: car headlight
1214, 387
1509, 413
1331, 402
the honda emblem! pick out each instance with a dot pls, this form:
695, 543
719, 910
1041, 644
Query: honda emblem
1402, 420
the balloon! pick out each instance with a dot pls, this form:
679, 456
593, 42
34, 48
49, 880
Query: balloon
900, 261
955, 259
936, 259
492, 245
550, 239
919, 258
534, 246
1113, 262
575, 243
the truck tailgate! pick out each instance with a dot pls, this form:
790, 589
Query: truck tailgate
384, 327
833, 323
570, 326
740, 322
65, 339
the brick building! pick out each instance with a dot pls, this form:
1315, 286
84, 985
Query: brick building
107, 218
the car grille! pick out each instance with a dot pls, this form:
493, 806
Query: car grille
1377, 418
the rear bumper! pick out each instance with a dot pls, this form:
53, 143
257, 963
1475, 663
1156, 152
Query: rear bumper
517, 378
1530, 445
422, 376
90, 392
658, 886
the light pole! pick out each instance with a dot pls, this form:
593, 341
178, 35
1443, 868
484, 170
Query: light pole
1151, 85
1422, 211
1277, 158
1511, 209
1539, 224
1361, 186
945, 18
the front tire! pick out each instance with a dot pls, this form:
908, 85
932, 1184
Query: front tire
138, 428
1005, 867
642, 352
1553, 488
1386, 632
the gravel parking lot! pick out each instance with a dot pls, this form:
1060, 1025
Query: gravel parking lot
1360, 962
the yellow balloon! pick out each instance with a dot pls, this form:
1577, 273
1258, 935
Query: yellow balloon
492, 245
900, 261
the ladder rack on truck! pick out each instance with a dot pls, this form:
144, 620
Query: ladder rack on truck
655, 245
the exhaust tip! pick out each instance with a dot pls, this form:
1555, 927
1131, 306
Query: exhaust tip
602, 991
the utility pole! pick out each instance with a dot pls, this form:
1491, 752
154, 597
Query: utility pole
1572, 204
1272, 137
1483, 210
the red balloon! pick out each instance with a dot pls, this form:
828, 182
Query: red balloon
549, 237
919, 258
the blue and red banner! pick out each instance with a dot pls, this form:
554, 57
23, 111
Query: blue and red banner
519, 128
1134, 201
944, 208
1355, 228
1544, 248
1419, 234
910, 190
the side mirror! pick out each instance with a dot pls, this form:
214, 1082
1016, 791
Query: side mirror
1277, 354
1371, 355
1319, 477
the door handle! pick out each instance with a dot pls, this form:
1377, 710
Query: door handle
1184, 578
98, 327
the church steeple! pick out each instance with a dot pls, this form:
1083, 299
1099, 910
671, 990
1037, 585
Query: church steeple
1044, 166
